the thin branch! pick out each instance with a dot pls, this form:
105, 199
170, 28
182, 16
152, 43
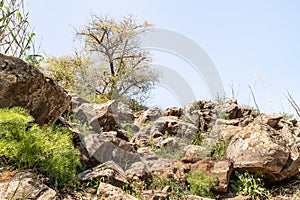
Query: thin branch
253, 97
292, 102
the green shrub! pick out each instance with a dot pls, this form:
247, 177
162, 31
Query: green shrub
46, 149
200, 183
198, 138
249, 184
219, 151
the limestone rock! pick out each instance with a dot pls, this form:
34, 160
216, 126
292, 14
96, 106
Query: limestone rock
23, 85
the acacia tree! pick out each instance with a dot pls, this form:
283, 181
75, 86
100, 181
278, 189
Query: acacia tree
123, 66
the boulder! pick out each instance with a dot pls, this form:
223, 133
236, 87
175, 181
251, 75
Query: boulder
174, 111
171, 126
110, 171
20, 185
103, 117
103, 149
23, 85
138, 171
148, 115
259, 147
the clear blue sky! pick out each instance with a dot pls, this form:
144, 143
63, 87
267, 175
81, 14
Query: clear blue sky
253, 42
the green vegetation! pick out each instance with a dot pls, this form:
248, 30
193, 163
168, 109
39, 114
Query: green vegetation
170, 152
112, 65
200, 183
198, 139
222, 115
16, 34
179, 188
46, 149
219, 151
249, 184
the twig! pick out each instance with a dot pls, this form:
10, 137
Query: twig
253, 97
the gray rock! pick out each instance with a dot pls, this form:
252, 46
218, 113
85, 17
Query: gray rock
104, 149
110, 170
23, 85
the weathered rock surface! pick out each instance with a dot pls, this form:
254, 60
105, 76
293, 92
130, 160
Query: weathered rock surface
148, 115
20, 185
103, 117
103, 149
23, 85
110, 171
260, 147
109, 192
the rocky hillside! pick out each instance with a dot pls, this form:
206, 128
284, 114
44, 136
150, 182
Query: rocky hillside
209, 150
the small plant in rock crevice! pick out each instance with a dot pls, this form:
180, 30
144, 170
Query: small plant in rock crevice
170, 152
179, 189
201, 183
249, 184
219, 151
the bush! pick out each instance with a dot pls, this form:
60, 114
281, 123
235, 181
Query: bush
200, 183
46, 149
219, 151
249, 184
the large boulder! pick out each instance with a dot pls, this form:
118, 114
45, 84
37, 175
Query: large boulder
260, 147
23, 85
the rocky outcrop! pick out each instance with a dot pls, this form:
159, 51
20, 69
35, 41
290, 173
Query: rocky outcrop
23, 85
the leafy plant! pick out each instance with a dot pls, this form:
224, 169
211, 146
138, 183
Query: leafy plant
198, 139
46, 149
200, 183
219, 150
249, 184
